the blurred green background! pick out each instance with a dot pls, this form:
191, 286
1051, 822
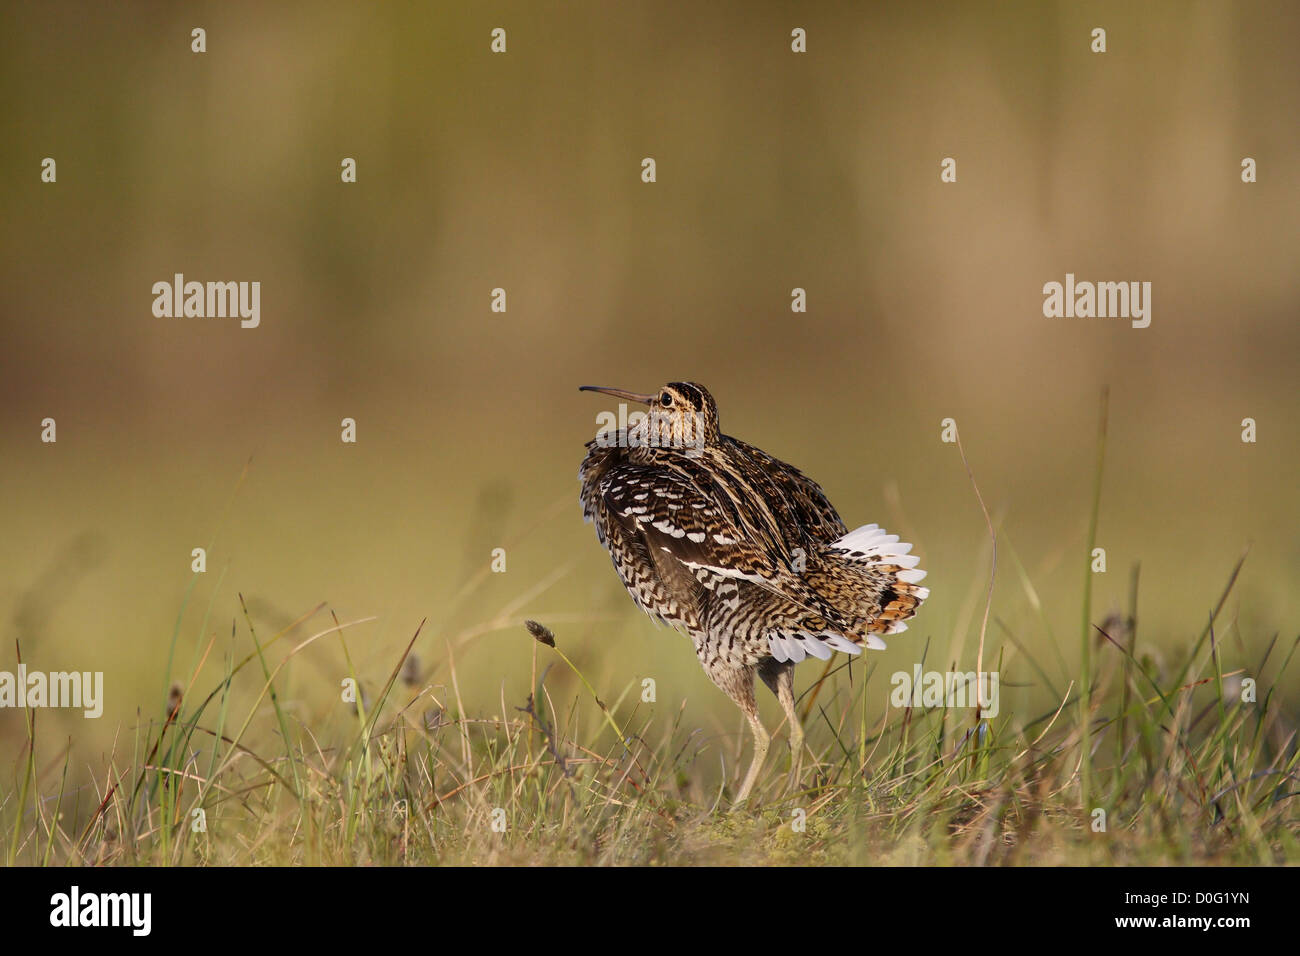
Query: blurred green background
522, 171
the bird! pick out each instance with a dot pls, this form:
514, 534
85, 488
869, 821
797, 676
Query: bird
738, 550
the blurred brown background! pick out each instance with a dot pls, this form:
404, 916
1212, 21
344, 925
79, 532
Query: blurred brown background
522, 171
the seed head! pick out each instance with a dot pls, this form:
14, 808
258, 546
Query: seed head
541, 632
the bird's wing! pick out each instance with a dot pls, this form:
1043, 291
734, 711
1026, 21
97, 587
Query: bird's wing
680, 515
699, 526
804, 498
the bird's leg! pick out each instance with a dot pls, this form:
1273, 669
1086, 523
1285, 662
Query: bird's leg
738, 684
761, 741
779, 678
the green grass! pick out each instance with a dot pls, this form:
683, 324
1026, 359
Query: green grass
1184, 771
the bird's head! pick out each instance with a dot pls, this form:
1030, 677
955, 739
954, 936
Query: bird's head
682, 415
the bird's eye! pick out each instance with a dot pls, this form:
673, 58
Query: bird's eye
666, 399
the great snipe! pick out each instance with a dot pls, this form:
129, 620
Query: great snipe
740, 551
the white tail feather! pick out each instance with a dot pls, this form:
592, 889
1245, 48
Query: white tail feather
873, 545
795, 647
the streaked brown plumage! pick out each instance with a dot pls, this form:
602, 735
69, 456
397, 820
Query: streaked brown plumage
740, 551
